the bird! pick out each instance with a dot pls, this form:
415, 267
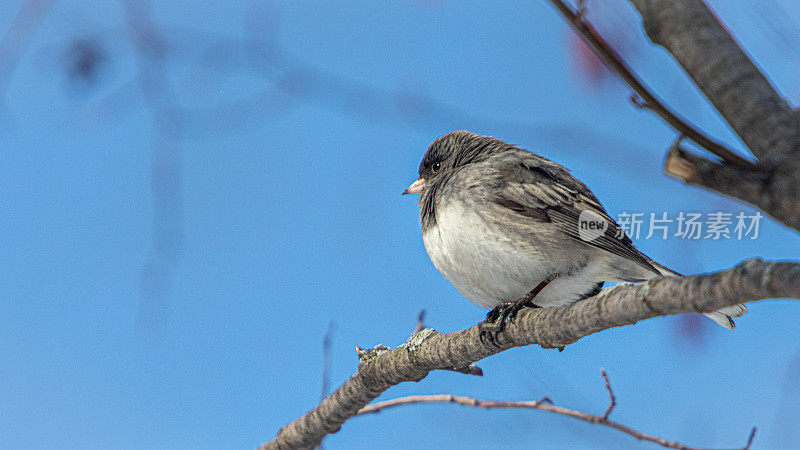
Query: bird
512, 229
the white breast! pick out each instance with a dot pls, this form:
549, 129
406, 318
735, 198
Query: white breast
480, 262
488, 268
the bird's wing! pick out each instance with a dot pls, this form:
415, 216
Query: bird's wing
545, 191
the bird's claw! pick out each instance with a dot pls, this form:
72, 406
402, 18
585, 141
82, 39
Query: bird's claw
497, 318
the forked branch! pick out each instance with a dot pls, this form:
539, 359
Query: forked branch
541, 405
650, 100
735, 86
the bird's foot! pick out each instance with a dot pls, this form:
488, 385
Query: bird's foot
508, 311
497, 318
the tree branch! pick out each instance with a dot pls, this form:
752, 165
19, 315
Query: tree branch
617, 65
774, 193
540, 405
753, 110
612, 400
725, 74
624, 304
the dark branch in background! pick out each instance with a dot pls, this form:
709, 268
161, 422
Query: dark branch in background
617, 65
541, 405
326, 359
726, 75
742, 94
381, 368
420, 325
289, 81
19, 33
151, 50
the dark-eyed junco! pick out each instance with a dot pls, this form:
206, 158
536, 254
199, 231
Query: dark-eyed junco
510, 228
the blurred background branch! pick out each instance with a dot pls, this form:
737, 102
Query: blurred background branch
14, 40
153, 52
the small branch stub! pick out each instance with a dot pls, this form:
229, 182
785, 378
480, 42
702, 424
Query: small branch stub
612, 400
675, 165
365, 355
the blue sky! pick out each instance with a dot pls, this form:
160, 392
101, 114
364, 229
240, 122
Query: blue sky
170, 264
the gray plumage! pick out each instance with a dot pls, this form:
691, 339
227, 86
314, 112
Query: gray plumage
497, 220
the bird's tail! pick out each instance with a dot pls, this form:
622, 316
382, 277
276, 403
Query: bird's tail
722, 316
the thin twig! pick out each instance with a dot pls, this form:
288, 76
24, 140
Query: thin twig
522, 404
531, 404
617, 65
326, 359
750, 439
612, 400
420, 325
541, 405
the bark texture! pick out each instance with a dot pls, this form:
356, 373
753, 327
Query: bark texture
382, 367
776, 192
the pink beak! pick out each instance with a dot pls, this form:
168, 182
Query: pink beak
416, 187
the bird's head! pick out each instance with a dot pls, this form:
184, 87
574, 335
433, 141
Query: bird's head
451, 152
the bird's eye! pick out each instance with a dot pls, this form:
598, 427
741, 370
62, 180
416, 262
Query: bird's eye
437, 166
